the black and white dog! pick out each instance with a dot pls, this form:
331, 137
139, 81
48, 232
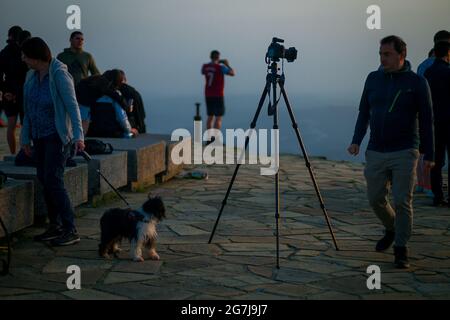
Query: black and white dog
139, 226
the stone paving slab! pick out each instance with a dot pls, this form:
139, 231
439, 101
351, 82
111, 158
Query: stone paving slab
240, 262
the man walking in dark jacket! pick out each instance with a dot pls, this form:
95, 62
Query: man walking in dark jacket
438, 76
394, 98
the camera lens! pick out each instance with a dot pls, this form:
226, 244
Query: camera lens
290, 54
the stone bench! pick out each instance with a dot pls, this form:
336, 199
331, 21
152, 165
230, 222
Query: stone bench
172, 169
146, 158
16, 205
75, 181
112, 166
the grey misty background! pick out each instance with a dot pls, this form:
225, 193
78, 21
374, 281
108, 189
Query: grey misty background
162, 44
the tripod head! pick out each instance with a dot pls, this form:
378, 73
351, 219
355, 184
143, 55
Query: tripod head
274, 78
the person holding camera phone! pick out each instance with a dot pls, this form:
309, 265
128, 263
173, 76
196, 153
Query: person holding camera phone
214, 73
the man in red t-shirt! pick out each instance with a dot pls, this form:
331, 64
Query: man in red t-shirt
215, 72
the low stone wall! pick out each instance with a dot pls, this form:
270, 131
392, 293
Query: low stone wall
172, 169
113, 166
75, 180
16, 205
146, 158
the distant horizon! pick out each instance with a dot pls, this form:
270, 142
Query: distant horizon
161, 45
326, 130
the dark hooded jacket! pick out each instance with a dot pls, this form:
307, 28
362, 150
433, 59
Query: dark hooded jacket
438, 76
137, 116
398, 107
12, 69
92, 88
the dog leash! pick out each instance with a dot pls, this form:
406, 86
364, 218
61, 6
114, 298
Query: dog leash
88, 158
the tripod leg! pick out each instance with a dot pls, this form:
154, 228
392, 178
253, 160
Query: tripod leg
252, 126
307, 162
277, 178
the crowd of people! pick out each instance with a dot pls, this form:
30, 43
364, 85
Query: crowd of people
60, 101
98, 95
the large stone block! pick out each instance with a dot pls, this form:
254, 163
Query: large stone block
171, 169
146, 158
112, 166
16, 205
75, 181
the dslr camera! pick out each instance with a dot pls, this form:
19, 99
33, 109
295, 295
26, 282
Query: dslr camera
276, 51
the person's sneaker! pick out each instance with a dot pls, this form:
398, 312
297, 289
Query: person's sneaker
66, 239
401, 257
439, 203
385, 242
51, 233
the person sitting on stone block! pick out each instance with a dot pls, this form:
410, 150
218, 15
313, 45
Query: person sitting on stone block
109, 120
136, 113
90, 89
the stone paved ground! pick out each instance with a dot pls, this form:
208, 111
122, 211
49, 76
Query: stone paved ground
240, 264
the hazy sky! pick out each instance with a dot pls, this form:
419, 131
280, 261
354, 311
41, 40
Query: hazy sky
161, 44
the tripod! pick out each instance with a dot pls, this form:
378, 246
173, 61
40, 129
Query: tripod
272, 80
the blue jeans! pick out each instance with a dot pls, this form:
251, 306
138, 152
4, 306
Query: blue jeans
51, 156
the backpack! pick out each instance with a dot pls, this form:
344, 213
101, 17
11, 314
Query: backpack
94, 146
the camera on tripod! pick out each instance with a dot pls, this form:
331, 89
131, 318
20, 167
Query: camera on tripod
277, 51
